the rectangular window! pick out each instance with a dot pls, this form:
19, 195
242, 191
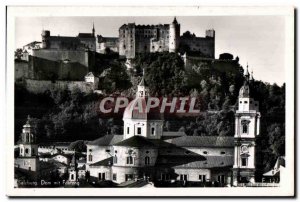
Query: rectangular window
202, 178
245, 128
183, 177
244, 162
165, 177
129, 160
127, 130
221, 179
115, 176
101, 176
139, 130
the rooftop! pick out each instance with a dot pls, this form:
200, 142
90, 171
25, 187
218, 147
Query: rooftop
106, 140
195, 161
202, 141
136, 141
105, 162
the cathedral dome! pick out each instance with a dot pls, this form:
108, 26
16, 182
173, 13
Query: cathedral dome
244, 91
132, 111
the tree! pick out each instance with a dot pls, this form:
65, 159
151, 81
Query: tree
18, 53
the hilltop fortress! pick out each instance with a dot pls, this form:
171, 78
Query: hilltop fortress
132, 39
71, 58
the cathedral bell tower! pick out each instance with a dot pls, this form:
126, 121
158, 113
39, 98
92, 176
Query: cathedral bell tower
28, 149
141, 120
28, 146
247, 127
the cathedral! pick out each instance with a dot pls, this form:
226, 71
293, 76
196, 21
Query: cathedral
145, 151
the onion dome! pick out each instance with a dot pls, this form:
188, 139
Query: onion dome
137, 109
244, 91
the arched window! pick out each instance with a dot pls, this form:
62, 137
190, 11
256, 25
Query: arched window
90, 157
26, 151
129, 160
245, 128
27, 137
244, 161
152, 131
115, 159
147, 160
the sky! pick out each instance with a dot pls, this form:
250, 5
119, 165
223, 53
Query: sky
256, 40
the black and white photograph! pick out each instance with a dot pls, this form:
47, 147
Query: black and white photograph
136, 101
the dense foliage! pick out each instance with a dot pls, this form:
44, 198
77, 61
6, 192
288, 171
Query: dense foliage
59, 114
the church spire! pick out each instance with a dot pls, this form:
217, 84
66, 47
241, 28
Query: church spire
251, 77
93, 30
247, 75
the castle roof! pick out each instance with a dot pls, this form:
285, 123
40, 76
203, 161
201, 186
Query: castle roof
106, 39
106, 140
137, 141
202, 141
86, 35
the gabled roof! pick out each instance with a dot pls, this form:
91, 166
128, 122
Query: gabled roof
105, 162
107, 140
136, 141
90, 74
82, 167
202, 141
64, 155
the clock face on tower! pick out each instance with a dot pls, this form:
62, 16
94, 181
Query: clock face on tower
244, 149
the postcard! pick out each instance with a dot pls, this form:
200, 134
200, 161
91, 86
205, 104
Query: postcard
150, 101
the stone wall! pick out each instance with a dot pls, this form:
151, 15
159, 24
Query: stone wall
21, 69
40, 86
57, 55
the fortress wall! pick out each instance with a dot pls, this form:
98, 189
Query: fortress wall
43, 69
56, 55
204, 45
21, 69
40, 86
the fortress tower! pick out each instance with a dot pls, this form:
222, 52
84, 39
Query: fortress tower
247, 127
45, 38
174, 36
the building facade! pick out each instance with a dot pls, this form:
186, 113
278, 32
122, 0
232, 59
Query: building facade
135, 39
146, 152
